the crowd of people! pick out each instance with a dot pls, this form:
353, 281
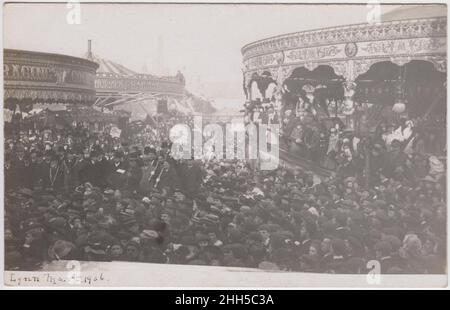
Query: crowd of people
338, 149
330, 143
85, 195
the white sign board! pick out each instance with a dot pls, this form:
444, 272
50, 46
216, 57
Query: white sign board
115, 132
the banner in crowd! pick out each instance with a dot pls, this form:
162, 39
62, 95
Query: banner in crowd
115, 132
7, 115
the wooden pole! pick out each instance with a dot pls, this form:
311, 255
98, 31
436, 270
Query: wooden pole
433, 104
336, 107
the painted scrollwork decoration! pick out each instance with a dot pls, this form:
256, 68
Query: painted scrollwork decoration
440, 63
339, 67
391, 30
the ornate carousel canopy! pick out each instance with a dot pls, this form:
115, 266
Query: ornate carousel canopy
35, 77
350, 50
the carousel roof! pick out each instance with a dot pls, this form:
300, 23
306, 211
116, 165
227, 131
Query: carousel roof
109, 67
406, 33
47, 77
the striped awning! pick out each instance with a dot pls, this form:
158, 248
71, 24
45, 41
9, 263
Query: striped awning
110, 67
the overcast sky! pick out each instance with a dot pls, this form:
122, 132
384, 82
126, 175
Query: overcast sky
203, 41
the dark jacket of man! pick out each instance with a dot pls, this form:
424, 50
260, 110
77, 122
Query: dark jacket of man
39, 172
117, 174
168, 177
191, 177
54, 178
71, 179
90, 172
133, 177
148, 175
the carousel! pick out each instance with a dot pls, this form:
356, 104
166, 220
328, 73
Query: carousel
44, 78
385, 70
36, 82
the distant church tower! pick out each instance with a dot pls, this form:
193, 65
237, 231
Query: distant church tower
144, 69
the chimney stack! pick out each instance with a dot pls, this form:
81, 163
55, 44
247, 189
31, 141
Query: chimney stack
89, 54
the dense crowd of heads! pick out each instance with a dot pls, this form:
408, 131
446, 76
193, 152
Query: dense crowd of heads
79, 194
